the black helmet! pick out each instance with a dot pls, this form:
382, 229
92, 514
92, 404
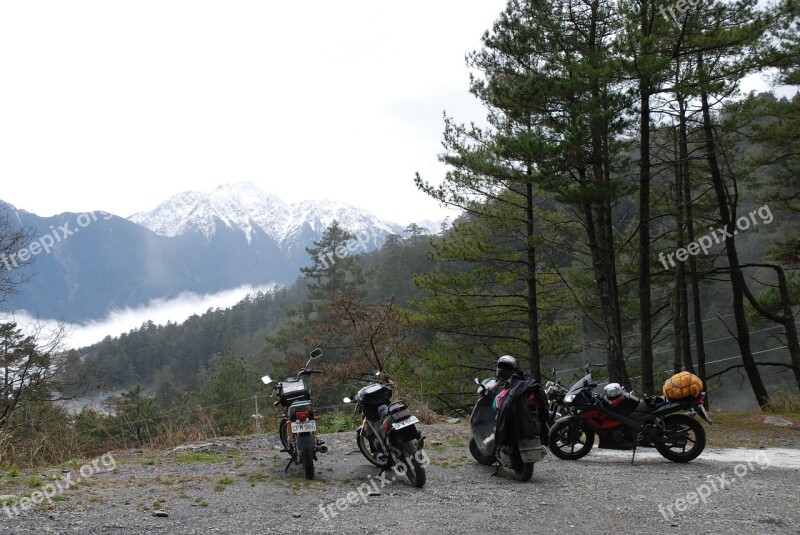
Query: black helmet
506, 366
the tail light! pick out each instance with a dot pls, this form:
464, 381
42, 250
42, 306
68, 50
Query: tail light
302, 415
702, 399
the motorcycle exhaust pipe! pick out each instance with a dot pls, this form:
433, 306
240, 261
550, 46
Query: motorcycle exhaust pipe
322, 448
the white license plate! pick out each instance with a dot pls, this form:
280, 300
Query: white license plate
411, 420
304, 427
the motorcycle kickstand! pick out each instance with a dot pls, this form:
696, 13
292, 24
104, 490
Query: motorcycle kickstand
633, 456
288, 465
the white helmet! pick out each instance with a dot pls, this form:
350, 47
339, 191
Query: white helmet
506, 366
612, 390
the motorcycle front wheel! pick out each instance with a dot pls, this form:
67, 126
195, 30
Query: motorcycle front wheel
570, 441
681, 431
367, 450
478, 456
307, 460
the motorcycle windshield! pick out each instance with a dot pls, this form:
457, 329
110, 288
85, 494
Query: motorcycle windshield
577, 387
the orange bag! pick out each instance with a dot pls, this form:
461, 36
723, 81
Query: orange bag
683, 385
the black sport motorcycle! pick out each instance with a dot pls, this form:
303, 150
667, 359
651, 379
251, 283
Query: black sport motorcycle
624, 422
297, 427
388, 436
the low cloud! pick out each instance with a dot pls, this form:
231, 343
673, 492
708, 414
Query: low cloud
159, 311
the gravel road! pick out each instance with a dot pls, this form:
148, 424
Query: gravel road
247, 491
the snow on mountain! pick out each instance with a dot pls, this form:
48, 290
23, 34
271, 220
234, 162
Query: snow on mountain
245, 207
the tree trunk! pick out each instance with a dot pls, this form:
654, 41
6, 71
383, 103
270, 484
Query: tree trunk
533, 315
787, 319
737, 280
645, 317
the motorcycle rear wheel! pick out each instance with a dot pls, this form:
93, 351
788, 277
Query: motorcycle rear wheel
366, 449
283, 433
524, 473
307, 459
415, 472
691, 434
565, 436
478, 456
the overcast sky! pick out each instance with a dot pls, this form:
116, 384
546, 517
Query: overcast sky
115, 106
118, 105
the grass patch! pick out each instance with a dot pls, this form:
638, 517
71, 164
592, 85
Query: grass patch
34, 481
336, 422
219, 488
785, 405
225, 480
747, 430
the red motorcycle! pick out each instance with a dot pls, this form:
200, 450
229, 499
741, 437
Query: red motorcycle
624, 422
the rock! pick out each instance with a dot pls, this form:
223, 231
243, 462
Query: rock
214, 447
435, 442
374, 493
160, 513
782, 422
296, 515
453, 420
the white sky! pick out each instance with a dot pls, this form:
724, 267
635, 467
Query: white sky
118, 105
110, 105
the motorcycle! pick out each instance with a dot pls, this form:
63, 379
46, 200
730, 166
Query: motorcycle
556, 392
516, 453
388, 436
297, 427
624, 422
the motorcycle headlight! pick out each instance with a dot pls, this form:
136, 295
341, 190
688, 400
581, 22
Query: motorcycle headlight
569, 398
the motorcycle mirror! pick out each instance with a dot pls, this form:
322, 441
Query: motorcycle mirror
477, 382
376, 373
347, 400
314, 354
266, 379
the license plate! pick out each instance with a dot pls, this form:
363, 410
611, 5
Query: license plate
304, 427
411, 420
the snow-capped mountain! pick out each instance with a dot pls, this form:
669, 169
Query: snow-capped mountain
195, 242
244, 207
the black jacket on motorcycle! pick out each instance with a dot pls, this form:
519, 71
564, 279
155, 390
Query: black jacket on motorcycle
513, 421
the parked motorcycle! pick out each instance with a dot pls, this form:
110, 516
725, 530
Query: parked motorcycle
624, 422
388, 436
297, 427
516, 453
556, 392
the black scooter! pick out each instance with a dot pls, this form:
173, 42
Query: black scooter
516, 453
